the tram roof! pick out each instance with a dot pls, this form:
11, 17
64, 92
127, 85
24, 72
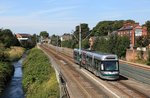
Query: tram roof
99, 55
102, 56
105, 56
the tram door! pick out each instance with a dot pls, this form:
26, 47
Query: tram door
96, 67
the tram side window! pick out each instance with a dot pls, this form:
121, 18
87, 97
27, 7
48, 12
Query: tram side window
75, 55
96, 64
83, 56
89, 60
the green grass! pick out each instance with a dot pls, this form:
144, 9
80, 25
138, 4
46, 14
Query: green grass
39, 79
15, 53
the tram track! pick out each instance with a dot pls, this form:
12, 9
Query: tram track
121, 86
145, 67
87, 90
127, 90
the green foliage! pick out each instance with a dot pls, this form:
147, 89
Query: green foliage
101, 44
122, 44
33, 40
85, 44
70, 44
30, 43
7, 38
6, 70
3, 54
113, 44
55, 40
142, 41
84, 31
44, 34
105, 27
147, 24
15, 53
67, 43
148, 60
39, 79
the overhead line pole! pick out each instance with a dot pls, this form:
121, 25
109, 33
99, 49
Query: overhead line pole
74, 36
80, 43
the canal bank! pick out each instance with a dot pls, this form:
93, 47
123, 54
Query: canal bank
14, 88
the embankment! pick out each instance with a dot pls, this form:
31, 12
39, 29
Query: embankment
39, 78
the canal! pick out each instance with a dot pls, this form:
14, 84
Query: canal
14, 88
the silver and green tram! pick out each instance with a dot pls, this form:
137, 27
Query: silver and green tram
105, 66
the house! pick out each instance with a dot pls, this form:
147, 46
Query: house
23, 37
133, 30
66, 37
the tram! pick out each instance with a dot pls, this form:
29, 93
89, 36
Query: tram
103, 65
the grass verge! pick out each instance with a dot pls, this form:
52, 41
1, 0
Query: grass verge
39, 79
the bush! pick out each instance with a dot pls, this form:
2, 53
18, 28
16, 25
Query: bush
15, 53
39, 79
6, 70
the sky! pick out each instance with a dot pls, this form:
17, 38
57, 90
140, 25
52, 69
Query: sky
62, 16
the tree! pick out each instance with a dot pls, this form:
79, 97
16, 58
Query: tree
3, 54
84, 31
44, 34
148, 60
113, 44
101, 44
67, 43
33, 41
147, 24
142, 41
8, 39
55, 40
122, 44
103, 28
85, 44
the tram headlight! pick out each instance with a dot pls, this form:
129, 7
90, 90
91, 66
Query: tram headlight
108, 72
102, 67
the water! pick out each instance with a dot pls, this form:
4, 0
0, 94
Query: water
14, 88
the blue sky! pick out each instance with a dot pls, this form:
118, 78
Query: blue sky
61, 16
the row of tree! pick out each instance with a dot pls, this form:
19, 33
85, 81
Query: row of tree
110, 44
